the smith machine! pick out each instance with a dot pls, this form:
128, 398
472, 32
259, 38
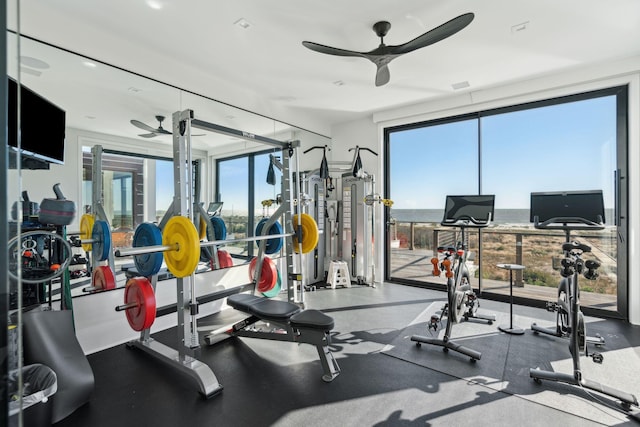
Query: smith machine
181, 248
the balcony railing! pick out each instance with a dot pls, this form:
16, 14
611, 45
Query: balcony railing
415, 243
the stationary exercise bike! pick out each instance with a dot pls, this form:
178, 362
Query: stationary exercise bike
569, 211
572, 262
462, 302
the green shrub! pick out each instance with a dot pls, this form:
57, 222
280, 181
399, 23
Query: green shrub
539, 278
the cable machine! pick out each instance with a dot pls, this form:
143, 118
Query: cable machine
357, 221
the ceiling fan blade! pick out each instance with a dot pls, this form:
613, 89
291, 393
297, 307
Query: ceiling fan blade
162, 131
148, 135
445, 30
143, 126
330, 50
382, 75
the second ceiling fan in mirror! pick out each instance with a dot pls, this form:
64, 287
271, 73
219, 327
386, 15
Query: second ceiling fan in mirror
153, 132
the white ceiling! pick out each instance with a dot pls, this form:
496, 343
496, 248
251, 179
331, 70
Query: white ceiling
195, 45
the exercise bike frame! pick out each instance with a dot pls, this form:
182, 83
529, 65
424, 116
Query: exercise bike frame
458, 271
564, 311
576, 378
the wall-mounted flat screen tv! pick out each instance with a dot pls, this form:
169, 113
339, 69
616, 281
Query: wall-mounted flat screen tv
42, 125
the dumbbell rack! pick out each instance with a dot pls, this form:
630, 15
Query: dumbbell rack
184, 359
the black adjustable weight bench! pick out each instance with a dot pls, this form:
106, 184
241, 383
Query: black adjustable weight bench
301, 326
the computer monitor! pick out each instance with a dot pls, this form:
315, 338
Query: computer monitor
568, 206
477, 208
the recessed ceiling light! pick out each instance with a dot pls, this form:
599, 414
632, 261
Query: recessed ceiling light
229, 117
339, 83
90, 117
89, 64
33, 62
154, 4
242, 23
27, 70
519, 27
134, 89
460, 85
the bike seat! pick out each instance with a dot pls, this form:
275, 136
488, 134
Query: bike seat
446, 249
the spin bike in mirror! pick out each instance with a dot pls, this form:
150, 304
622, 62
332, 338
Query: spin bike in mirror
461, 212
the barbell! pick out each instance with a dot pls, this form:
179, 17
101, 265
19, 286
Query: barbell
180, 244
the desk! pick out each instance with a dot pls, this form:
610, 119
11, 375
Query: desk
504, 328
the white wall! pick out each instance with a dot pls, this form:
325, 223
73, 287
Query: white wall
624, 72
99, 326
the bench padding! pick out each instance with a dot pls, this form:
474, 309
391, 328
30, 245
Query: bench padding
312, 319
283, 311
242, 302
262, 307
274, 309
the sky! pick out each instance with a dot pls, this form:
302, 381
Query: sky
564, 147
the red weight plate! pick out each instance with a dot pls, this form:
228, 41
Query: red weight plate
140, 292
224, 258
103, 278
268, 276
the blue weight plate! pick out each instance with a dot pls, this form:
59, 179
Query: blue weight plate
101, 236
273, 245
219, 228
147, 234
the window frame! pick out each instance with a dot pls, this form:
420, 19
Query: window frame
621, 220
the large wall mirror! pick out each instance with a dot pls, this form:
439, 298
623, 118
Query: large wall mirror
123, 113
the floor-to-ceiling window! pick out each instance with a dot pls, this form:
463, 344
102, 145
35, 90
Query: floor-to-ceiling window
247, 196
572, 143
123, 194
233, 189
425, 164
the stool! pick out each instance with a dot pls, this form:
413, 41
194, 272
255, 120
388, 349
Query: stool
339, 274
510, 329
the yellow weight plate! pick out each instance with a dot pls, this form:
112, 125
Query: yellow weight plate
202, 228
310, 233
86, 229
180, 233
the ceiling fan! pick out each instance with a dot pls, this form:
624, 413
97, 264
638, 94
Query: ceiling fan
383, 54
152, 131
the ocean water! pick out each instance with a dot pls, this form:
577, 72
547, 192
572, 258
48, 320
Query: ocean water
502, 216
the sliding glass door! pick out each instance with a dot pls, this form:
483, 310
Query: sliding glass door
426, 163
567, 144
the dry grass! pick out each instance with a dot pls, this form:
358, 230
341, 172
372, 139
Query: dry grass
537, 252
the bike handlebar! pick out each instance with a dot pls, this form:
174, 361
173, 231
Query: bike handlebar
466, 221
568, 223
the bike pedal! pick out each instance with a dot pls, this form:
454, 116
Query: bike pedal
597, 357
551, 306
